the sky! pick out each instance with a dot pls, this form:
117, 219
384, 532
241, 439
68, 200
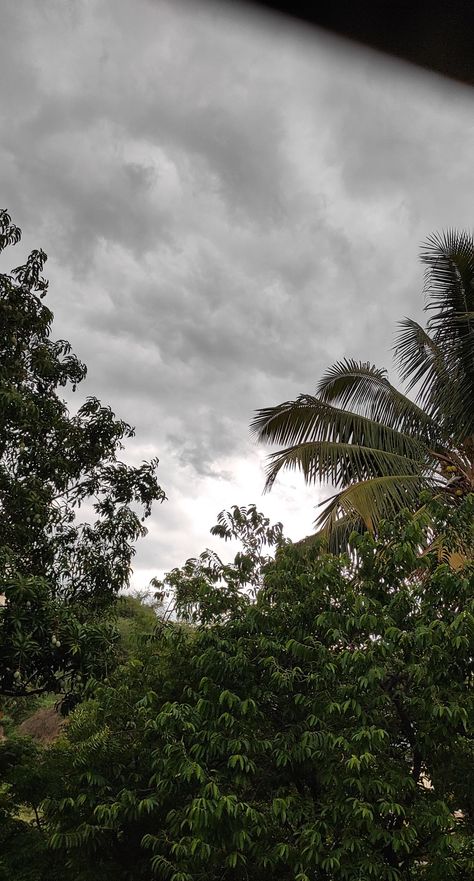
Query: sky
230, 202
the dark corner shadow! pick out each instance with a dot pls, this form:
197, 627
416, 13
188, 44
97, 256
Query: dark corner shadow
434, 34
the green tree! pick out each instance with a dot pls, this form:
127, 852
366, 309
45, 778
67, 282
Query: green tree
26, 777
28, 773
206, 589
372, 443
57, 574
136, 618
323, 730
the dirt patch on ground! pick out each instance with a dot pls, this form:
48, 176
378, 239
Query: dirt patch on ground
44, 725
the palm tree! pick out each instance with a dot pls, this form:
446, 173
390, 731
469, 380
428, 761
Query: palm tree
376, 446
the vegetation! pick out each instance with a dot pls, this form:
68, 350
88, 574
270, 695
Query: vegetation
207, 589
374, 444
321, 730
57, 575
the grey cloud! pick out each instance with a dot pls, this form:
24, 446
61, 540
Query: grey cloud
400, 136
218, 129
229, 205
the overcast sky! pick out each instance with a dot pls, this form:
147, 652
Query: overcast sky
230, 202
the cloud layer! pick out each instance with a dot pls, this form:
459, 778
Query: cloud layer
230, 203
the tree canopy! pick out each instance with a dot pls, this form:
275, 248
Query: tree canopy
321, 730
57, 573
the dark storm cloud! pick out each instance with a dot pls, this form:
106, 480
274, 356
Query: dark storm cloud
188, 91
230, 204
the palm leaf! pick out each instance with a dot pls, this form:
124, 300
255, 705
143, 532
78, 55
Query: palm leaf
449, 277
421, 363
338, 537
310, 419
449, 292
363, 386
341, 463
419, 358
373, 500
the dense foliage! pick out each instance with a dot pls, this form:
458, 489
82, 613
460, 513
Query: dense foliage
378, 448
57, 574
322, 730
29, 773
24, 779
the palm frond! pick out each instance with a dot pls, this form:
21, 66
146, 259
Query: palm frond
373, 500
449, 294
421, 363
337, 540
310, 419
366, 388
418, 357
449, 276
341, 463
